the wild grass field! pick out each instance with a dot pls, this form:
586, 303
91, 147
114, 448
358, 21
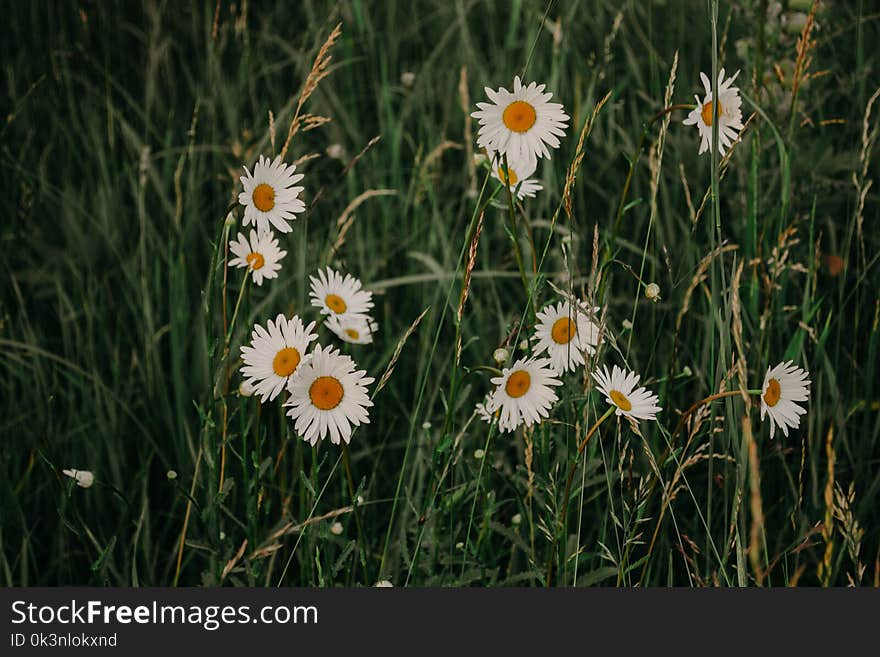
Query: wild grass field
126, 127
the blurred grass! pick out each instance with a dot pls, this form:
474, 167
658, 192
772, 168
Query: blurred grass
126, 128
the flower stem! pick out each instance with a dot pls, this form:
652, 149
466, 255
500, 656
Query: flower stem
354, 505
583, 445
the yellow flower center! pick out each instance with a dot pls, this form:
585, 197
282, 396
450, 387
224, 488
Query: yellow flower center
326, 392
511, 177
519, 116
256, 260
518, 383
620, 400
708, 113
771, 397
335, 303
264, 197
354, 335
285, 361
563, 330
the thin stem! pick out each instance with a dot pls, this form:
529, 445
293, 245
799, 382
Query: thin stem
710, 398
583, 445
511, 213
354, 505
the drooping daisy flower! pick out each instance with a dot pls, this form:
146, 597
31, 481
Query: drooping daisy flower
521, 124
482, 412
270, 195
518, 174
619, 388
729, 113
356, 329
784, 385
328, 394
275, 353
260, 255
566, 332
523, 393
83, 478
336, 295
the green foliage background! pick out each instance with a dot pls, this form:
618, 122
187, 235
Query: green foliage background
125, 128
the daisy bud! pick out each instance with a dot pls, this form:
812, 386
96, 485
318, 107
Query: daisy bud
479, 453
426, 425
171, 475
335, 151
500, 355
222, 536
524, 345
383, 584
686, 371
245, 389
652, 292
459, 546
336, 528
407, 78
626, 324
83, 478
517, 519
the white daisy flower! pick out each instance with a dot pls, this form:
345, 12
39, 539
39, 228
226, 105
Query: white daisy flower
260, 255
356, 329
784, 385
275, 353
619, 388
328, 395
521, 124
336, 295
523, 393
729, 113
518, 173
83, 478
269, 195
566, 332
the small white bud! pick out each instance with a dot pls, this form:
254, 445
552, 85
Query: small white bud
524, 345
335, 151
479, 453
459, 546
686, 371
652, 292
360, 499
426, 425
222, 536
500, 355
336, 528
407, 78
171, 474
245, 389
83, 478
383, 584
517, 519
230, 221
626, 324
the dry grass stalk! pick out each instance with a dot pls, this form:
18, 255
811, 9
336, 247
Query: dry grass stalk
575, 164
860, 180
756, 504
319, 72
346, 219
469, 268
802, 64
234, 560
390, 369
655, 154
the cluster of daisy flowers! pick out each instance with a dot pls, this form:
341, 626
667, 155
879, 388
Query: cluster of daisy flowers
326, 392
516, 129
565, 337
